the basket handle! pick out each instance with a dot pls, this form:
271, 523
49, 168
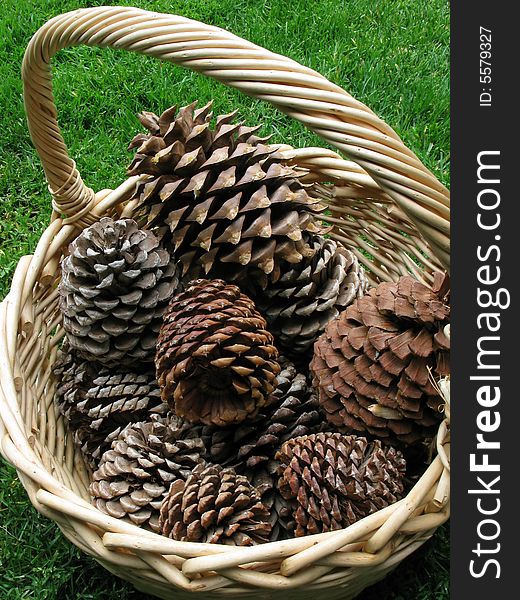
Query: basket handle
296, 90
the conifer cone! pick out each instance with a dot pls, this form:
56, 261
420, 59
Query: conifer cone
332, 480
311, 293
265, 480
372, 364
215, 505
293, 411
232, 207
98, 403
216, 363
134, 475
116, 282
112, 401
74, 377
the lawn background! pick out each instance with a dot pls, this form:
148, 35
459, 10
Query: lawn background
391, 54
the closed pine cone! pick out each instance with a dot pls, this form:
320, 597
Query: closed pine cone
216, 363
74, 376
372, 365
112, 401
215, 505
116, 282
135, 474
231, 205
311, 293
333, 480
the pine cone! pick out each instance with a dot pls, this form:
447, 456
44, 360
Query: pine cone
112, 402
74, 377
215, 505
294, 412
372, 364
265, 480
98, 403
145, 458
116, 283
215, 361
333, 480
231, 205
310, 294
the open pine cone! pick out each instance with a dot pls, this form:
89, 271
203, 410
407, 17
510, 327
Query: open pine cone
134, 475
215, 505
216, 363
372, 365
309, 294
231, 205
116, 283
332, 480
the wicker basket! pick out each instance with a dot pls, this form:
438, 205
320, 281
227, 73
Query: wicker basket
386, 204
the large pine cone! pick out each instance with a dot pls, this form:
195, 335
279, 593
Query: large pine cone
215, 505
135, 474
333, 480
231, 205
216, 363
116, 283
311, 293
373, 362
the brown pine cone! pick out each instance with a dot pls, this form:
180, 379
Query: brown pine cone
216, 363
145, 458
372, 365
215, 505
116, 283
231, 205
332, 480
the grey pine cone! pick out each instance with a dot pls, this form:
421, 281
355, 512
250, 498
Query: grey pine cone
135, 474
116, 283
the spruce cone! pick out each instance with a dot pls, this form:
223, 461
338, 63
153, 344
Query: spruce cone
231, 205
145, 458
215, 505
310, 294
116, 283
333, 480
372, 363
215, 361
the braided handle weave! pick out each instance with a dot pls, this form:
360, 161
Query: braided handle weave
296, 90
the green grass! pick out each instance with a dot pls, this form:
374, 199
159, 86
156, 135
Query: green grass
392, 55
